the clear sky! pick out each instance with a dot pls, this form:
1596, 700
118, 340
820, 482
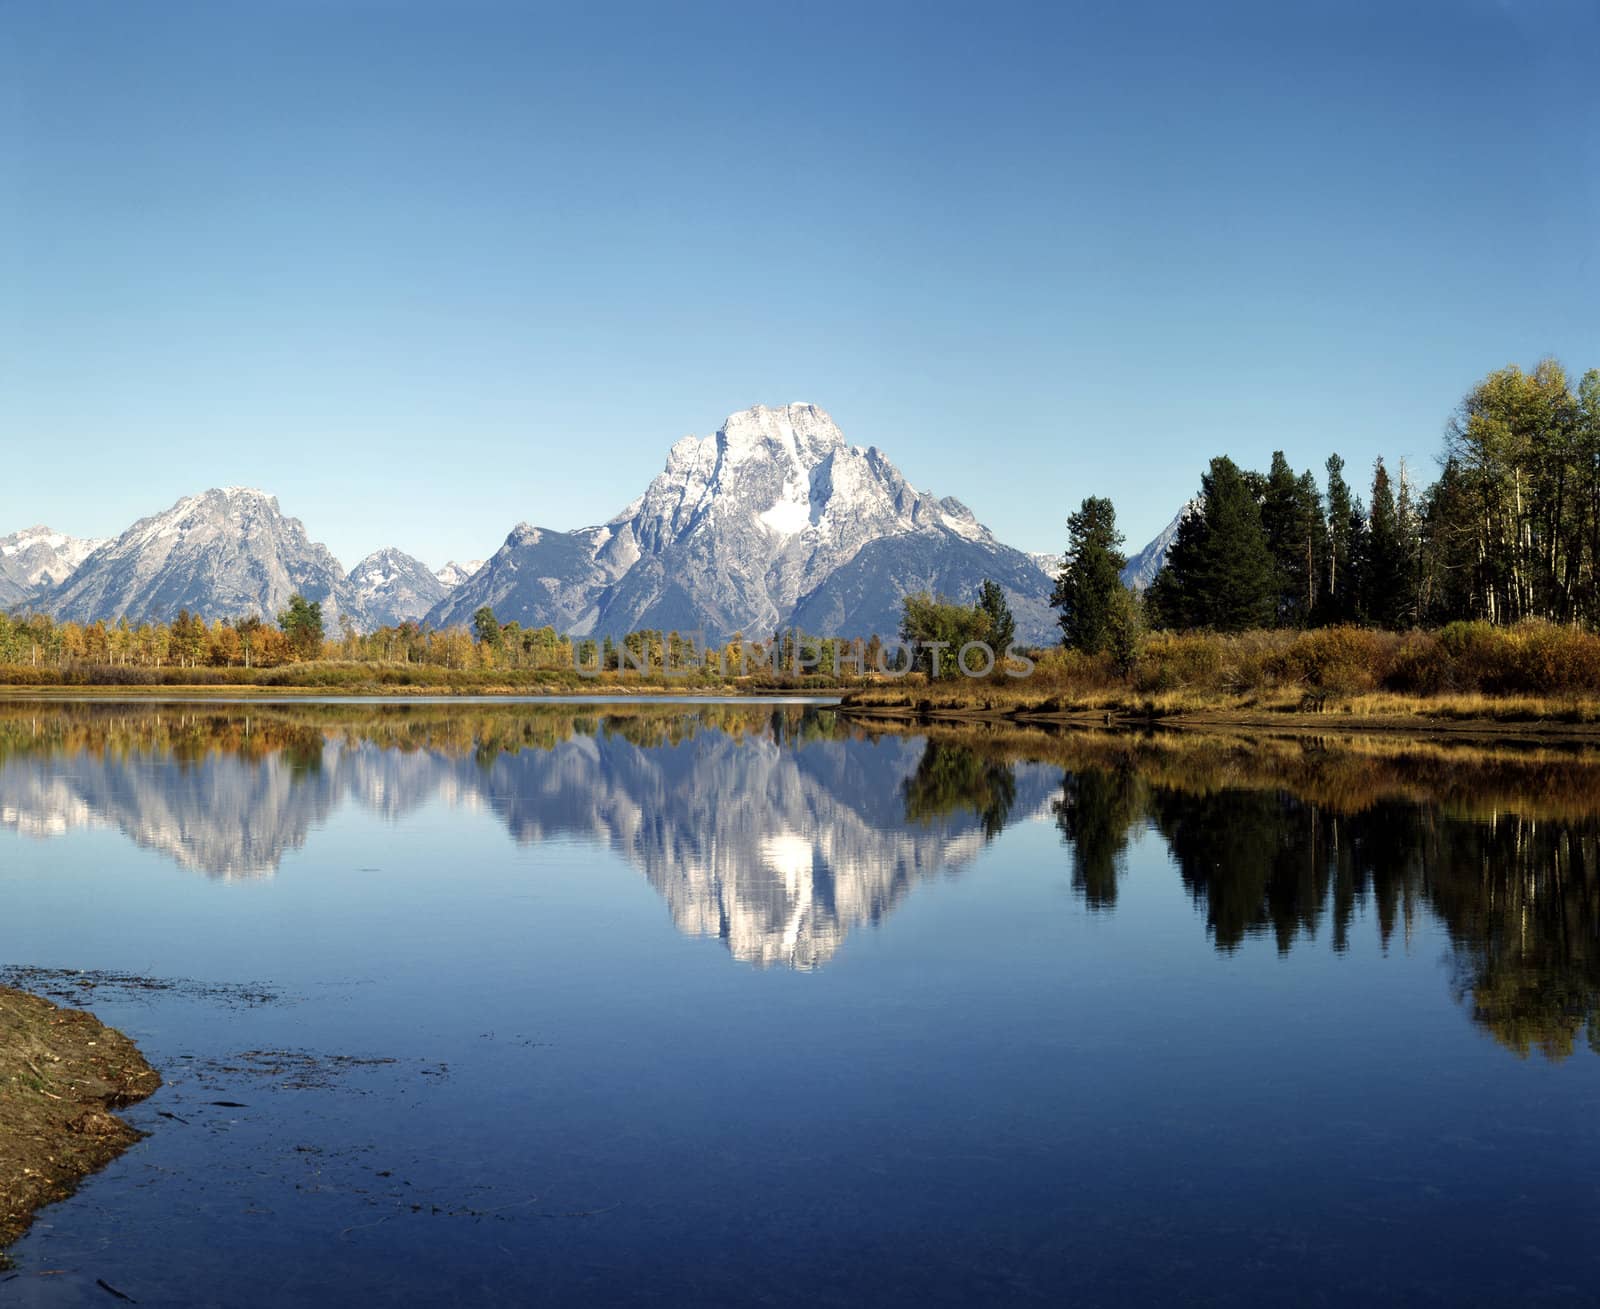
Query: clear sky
426, 270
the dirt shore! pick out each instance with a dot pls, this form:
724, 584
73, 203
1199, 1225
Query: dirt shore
61, 1073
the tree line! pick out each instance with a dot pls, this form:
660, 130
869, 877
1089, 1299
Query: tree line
251, 642
1508, 531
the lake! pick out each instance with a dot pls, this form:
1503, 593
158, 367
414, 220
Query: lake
743, 1003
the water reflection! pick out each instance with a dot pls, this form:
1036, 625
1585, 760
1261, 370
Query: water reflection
779, 831
1291, 839
776, 832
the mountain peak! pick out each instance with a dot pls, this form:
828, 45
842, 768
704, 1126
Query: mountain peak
240, 495
223, 552
389, 586
774, 519
804, 429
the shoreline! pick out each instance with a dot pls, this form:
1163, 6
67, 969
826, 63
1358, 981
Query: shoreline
1570, 719
60, 691
62, 1072
1578, 722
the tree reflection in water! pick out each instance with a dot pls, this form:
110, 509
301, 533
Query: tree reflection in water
780, 829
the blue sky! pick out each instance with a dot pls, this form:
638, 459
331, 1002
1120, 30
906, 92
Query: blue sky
426, 270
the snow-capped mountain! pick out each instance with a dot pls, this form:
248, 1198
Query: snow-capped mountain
36, 559
389, 586
221, 554
453, 573
773, 520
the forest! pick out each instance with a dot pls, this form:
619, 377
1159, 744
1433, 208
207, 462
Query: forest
1509, 531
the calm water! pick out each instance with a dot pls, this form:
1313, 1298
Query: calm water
736, 1004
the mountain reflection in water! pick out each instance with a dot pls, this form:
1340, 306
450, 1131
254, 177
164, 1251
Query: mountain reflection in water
781, 830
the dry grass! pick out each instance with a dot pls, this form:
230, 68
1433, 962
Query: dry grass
1534, 672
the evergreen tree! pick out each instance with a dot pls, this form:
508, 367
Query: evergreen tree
1449, 550
1171, 600
1090, 581
1291, 514
1220, 572
1342, 602
1384, 574
1002, 626
486, 627
301, 622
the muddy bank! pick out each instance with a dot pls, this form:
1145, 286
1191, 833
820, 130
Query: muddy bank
61, 1073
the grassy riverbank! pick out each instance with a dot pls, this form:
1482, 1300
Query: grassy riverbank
1464, 674
1467, 676
61, 1072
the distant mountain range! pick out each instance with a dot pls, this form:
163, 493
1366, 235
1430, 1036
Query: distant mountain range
774, 521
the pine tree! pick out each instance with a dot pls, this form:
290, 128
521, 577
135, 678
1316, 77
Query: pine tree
1346, 548
1171, 601
1002, 626
1384, 573
1220, 572
302, 624
486, 627
1449, 550
1291, 514
1091, 576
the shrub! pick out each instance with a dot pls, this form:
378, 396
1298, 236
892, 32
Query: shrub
1337, 660
1551, 660
1421, 666
1172, 661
